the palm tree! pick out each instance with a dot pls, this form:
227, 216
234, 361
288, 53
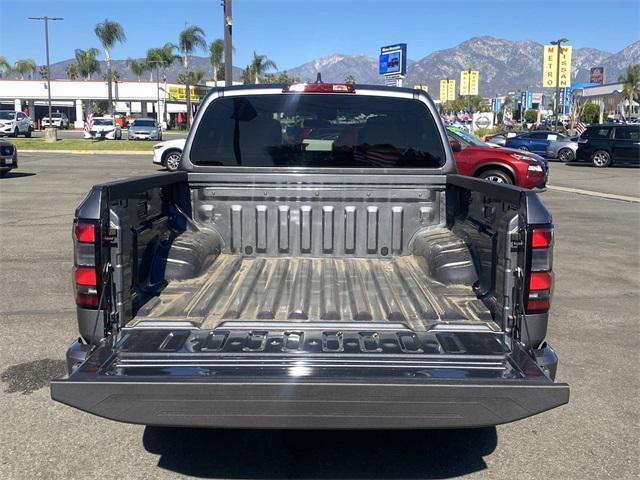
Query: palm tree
24, 66
259, 65
72, 71
43, 71
631, 85
5, 67
87, 63
195, 77
109, 32
138, 67
216, 57
191, 38
163, 58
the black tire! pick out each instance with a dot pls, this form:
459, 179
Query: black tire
16, 132
523, 148
498, 176
601, 159
3, 173
172, 160
566, 155
28, 134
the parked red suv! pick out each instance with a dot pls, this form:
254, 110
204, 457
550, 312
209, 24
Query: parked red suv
476, 158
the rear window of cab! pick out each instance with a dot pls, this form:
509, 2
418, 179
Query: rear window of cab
319, 131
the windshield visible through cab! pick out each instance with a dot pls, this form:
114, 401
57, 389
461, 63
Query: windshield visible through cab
143, 123
7, 115
317, 130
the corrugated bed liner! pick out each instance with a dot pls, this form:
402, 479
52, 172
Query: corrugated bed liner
397, 289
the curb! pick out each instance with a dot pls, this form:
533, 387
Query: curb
89, 152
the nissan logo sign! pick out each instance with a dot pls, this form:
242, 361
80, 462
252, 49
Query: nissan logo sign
483, 122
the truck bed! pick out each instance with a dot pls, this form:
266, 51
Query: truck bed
237, 287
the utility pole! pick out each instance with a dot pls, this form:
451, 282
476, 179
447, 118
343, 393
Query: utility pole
50, 132
556, 102
228, 46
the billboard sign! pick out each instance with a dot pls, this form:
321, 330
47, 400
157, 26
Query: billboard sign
482, 120
393, 60
526, 100
469, 80
554, 71
596, 75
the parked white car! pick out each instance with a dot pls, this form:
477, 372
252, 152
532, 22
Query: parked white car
14, 123
58, 120
168, 153
104, 128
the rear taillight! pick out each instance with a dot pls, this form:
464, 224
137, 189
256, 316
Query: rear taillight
85, 272
540, 285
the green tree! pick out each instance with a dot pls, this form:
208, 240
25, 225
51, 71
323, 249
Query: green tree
350, 79
138, 66
24, 66
282, 77
109, 33
531, 115
190, 39
5, 67
72, 71
590, 113
247, 76
631, 85
195, 77
87, 62
259, 65
163, 58
216, 57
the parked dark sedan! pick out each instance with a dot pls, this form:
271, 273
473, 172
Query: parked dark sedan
8, 157
604, 145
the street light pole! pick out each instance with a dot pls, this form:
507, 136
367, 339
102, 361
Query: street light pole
228, 47
46, 46
559, 43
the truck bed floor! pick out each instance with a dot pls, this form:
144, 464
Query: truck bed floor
397, 289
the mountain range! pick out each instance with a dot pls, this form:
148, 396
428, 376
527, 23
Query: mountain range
504, 66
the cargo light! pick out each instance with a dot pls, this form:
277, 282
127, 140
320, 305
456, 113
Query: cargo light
319, 88
540, 286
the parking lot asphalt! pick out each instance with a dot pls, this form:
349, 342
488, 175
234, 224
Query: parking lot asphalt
594, 329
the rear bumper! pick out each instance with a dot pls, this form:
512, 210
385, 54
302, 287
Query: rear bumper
299, 404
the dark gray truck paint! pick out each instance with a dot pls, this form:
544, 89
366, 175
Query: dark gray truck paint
302, 298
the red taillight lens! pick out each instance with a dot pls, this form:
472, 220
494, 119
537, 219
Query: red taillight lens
85, 232
541, 237
85, 276
87, 299
540, 281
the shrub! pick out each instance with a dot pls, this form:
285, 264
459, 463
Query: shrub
531, 116
591, 113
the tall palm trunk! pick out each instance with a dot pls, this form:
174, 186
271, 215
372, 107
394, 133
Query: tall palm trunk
107, 58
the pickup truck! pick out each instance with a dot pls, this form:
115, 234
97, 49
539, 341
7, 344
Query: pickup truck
315, 263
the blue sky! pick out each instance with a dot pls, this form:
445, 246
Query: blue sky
292, 32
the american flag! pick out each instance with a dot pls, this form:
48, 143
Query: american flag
88, 124
580, 128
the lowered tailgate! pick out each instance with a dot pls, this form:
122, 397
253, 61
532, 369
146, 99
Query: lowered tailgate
300, 376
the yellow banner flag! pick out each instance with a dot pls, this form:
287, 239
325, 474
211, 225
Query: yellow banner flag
443, 91
474, 81
464, 82
451, 90
550, 66
564, 73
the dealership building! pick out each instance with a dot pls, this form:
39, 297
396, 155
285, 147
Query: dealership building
71, 97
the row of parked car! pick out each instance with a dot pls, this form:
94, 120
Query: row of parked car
107, 128
602, 145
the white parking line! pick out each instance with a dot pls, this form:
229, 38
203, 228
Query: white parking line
591, 193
